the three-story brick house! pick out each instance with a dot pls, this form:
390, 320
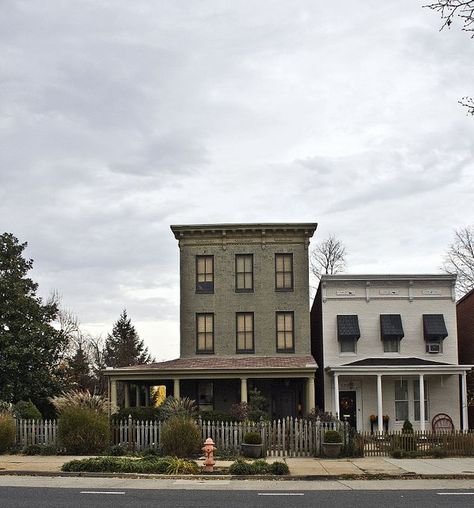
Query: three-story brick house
244, 321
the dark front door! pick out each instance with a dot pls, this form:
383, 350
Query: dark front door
348, 407
285, 402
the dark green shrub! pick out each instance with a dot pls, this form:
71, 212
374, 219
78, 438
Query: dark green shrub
82, 430
116, 451
397, 453
26, 410
332, 436
438, 452
7, 431
180, 437
32, 449
217, 416
252, 438
240, 467
261, 466
279, 468
140, 413
407, 427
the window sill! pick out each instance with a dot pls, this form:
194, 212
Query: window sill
205, 352
285, 350
284, 290
245, 351
204, 292
244, 290
347, 354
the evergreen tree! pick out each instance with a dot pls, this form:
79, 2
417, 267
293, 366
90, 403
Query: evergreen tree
123, 346
79, 369
31, 349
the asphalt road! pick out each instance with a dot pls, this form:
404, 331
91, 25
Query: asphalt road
20, 497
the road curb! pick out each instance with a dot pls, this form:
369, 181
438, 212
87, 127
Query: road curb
366, 476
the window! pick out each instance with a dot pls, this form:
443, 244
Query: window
401, 400
284, 272
416, 397
205, 395
244, 272
245, 336
205, 333
204, 274
284, 331
348, 344
391, 345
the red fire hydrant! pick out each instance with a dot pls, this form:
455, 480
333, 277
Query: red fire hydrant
209, 450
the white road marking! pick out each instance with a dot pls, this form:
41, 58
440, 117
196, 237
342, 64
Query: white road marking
455, 493
101, 492
280, 494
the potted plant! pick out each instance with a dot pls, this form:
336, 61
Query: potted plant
332, 443
252, 445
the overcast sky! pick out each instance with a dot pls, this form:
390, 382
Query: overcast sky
119, 118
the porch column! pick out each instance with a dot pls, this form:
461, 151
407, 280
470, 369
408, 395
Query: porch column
336, 395
465, 424
137, 396
147, 395
379, 403
243, 390
127, 394
310, 394
422, 402
176, 387
113, 393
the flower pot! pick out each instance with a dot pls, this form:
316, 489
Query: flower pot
253, 451
332, 450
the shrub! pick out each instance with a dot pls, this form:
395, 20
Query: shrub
32, 449
26, 410
116, 450
182, 466
438, 452
140, 413
82, 430
397, 453
261, 466
407, 427
180, 437
240, 411
240, 467
7, 431
217, 416
332, 436
279, 468
405, 442
317, 414
252, 438
151, 465
179, 407
80, 399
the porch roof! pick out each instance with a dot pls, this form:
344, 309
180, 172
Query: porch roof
223, 365
397, 366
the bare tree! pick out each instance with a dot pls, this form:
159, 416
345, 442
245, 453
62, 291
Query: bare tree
459, 259
328, 257
452, 10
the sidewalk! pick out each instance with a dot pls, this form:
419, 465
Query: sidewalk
299, 467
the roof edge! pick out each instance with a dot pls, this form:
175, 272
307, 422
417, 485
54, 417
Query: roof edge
180, 229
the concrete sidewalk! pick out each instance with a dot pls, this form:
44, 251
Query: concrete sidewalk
299, 467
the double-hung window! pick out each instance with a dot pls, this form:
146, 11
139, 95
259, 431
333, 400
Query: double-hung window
401, 400
205, 333
285, 332
284, 272
245, 332
204, 274
244, 273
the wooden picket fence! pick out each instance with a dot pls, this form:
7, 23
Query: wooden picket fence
32, 432
287, 437
381, 444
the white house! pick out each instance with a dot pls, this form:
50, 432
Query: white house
383, 343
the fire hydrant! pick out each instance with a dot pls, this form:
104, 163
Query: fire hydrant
209, 450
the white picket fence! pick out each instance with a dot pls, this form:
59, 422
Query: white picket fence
31, 432
287, 437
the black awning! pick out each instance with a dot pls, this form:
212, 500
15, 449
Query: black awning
348, 327
391, 326
434, 327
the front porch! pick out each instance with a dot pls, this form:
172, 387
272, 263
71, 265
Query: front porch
287, 383
380, 394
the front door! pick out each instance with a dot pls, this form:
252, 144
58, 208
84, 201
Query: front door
348, 407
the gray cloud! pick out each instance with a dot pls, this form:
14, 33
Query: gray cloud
119, 118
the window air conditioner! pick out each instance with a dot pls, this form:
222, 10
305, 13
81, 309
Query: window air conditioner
433, 348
